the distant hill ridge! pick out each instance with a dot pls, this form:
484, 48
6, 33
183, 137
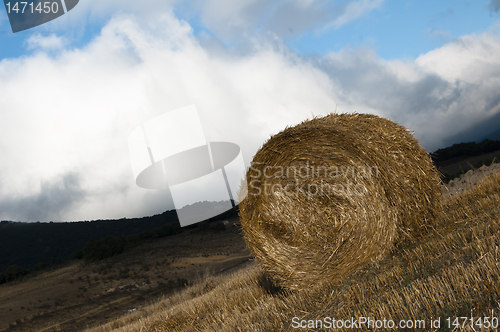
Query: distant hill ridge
27, 244
456, 152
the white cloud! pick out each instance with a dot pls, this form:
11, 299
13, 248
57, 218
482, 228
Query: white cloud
69, 116
66, 117
51, 42
441, 35
355, 10
470, 58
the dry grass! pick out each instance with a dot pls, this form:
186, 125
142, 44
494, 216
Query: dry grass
332, 193
452, 271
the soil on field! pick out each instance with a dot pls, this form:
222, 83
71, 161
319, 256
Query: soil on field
459, 164
81, 295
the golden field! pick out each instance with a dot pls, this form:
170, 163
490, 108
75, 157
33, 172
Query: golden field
451, 272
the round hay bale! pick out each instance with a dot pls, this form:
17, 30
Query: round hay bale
332, 193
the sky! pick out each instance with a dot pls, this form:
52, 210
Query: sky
72, 90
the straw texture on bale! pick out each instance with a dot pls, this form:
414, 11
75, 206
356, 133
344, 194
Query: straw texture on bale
334, 192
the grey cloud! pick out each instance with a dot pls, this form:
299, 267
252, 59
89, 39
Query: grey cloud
156, 202
229, 22
229, 19
367, 82
443, 14
276, 18
492, 103
291, 18
54, 199
477, 132
494, 6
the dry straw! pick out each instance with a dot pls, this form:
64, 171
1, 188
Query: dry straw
332, 193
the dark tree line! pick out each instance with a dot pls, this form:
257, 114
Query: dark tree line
28, 244
94, 249
464, 150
